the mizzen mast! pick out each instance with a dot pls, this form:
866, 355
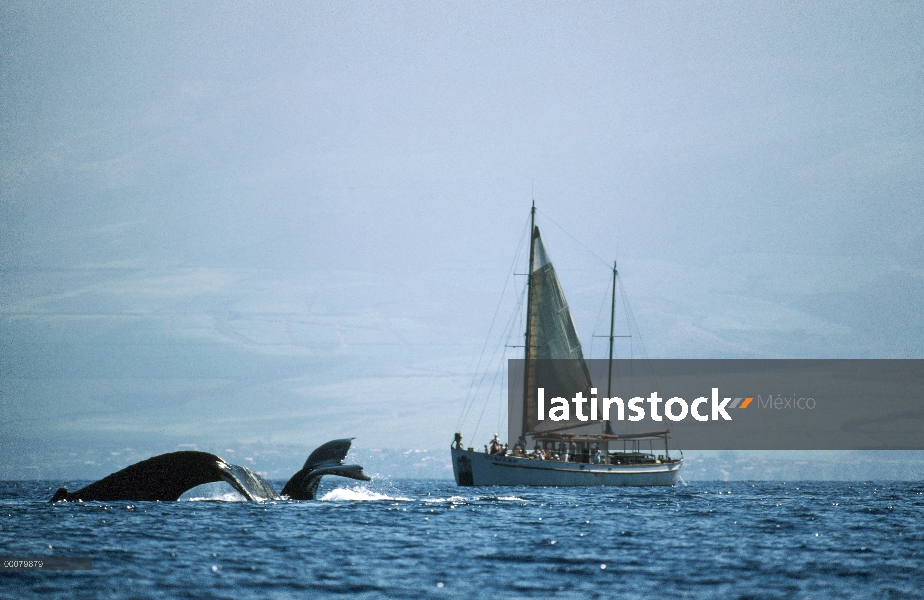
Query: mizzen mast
529, 311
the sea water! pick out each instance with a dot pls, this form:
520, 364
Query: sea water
431, 539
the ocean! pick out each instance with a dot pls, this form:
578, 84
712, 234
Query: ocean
431, 539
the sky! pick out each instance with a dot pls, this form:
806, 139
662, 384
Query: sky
267, 225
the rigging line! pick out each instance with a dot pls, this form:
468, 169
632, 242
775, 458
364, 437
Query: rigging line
500, 301
597, 323
580, 243
511, 323
469, 396
506, 408
515, 326
500, 409
630, 316
502, 343
488, 396
500, 415
485, 373
505, 343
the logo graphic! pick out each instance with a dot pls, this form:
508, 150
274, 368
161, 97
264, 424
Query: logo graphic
675, 409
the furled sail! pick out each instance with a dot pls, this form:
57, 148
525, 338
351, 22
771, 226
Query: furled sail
553, 357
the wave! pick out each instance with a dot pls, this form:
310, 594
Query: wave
464, 499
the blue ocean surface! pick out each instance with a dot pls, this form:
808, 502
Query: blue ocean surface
431, 539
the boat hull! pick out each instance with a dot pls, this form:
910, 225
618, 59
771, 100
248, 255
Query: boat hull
477, 468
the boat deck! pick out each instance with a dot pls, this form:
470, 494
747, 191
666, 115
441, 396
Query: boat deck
479, 468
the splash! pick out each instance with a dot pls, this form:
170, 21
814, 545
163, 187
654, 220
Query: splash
212, 492
355, 494
227, 497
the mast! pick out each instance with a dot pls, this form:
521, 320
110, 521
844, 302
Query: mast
607, 428
529, 297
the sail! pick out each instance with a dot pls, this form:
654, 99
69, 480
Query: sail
554, 359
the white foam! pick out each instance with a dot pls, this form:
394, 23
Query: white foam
355, 494
434, 499
213, 492
228, 497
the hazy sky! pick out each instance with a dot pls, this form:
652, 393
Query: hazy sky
228, 223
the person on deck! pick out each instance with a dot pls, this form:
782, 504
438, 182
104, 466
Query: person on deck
495, 445
519, 449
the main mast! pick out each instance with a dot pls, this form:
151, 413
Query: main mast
529, 310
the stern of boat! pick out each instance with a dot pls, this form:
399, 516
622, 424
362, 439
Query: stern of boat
462, 468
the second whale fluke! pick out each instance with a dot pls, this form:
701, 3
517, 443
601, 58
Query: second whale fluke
325, 460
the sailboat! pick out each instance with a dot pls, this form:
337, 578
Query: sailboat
569, 452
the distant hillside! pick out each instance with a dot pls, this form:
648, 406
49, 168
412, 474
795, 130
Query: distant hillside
279, 462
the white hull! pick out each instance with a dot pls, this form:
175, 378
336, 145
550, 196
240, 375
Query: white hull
478, 468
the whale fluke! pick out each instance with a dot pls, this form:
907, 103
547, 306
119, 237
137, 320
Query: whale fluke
325, 460
165, 477
168, 476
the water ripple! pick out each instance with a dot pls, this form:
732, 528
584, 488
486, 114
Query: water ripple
434, 540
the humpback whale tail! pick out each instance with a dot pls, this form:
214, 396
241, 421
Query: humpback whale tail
325, 460
168, 476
